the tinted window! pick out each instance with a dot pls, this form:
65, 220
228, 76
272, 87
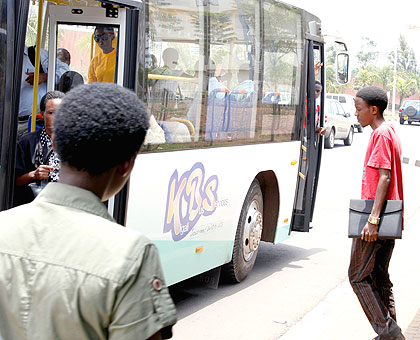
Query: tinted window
342, 99
218, 74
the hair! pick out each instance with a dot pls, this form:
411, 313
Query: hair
374, 96
106, 29
318, 83
69, 80
63, 55
48, 96
99, 126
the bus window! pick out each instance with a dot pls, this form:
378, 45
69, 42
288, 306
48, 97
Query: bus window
239, 83
90, 51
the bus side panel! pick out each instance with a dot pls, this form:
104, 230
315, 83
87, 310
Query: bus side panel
189, 202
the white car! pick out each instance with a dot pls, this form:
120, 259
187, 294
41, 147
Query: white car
347, 101
338, 124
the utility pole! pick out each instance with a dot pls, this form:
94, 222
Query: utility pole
394, 85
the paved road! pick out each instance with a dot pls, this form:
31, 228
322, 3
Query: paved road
299, 289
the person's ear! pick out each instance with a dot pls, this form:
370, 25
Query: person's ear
375, 109
42, 113
126, 167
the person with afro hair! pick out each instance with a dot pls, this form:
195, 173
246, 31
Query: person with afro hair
381, 181
76, 273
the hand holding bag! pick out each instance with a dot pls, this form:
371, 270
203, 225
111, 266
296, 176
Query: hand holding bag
390, 225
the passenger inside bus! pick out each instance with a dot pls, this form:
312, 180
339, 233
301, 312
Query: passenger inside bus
64, 56
193, 114
245, 83
69, 80
27, 83
102, 66
36, 162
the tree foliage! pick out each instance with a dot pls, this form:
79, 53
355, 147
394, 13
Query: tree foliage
368, 54
406, 57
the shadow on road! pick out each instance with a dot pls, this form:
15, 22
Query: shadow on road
191, 295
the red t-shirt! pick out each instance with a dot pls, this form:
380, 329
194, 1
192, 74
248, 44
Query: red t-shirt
383, 152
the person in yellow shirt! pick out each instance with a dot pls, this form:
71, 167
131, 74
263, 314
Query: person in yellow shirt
102, 66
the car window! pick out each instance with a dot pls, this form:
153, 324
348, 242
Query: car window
340, 109
334, 109
335, 97
328, 96
329, 108
342, 99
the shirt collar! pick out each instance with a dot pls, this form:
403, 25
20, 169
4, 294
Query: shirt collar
73, 197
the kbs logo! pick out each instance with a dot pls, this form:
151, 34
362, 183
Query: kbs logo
189, 198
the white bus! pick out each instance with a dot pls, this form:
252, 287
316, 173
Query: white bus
225, 164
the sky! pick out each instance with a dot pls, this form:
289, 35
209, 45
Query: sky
381, 21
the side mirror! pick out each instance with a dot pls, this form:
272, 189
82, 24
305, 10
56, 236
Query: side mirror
347, 115
342, 68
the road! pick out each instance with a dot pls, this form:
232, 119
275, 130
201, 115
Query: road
299, 289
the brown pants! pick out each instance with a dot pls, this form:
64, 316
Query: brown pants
369, 278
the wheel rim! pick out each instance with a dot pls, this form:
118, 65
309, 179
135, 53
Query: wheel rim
332, 137
252, 231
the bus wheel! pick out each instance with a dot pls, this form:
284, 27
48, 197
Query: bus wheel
248, 236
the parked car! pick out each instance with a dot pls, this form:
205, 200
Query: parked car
338, 124
347, 101
410, 111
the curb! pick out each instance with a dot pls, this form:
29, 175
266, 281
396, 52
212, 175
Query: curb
411, 161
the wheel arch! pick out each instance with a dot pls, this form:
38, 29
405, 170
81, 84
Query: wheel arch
271, 200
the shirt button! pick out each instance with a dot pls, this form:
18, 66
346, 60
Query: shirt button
157, 285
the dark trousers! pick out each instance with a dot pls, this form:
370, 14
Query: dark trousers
369, 278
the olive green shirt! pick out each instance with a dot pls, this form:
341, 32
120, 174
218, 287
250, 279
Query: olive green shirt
68, 271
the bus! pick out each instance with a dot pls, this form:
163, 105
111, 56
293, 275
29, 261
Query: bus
232, 156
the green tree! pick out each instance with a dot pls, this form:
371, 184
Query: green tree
368, 53
385, 77
406, 58
407, 84
366, 77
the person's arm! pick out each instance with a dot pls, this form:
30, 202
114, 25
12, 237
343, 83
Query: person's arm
370, 231
143, 307
42, 172
91, 73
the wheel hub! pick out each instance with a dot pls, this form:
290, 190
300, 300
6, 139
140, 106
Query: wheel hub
252, 231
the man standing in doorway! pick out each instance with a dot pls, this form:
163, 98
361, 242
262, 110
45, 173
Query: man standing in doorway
102, 66
382, 180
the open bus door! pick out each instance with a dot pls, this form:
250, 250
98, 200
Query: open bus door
70, 27
73, 22
311, 147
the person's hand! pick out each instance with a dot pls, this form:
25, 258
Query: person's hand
31, 75
322, 131
42, 172
370, 232
317, 67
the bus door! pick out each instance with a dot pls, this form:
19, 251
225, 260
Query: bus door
77, 36
311, 145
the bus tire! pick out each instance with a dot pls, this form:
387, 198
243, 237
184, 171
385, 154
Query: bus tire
248, 236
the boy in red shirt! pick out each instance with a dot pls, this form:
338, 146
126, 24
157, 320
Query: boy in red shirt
382, 180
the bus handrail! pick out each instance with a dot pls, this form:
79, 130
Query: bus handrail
37, 60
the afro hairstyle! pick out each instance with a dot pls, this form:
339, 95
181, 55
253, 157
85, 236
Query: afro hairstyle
99, 126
